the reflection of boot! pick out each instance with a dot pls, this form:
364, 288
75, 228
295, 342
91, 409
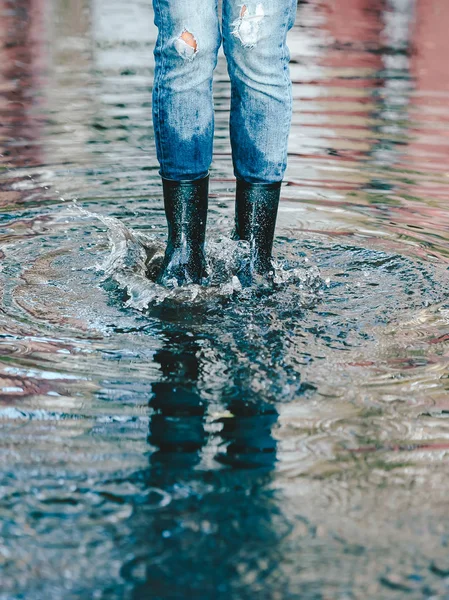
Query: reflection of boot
177, 425
185, 205
256, 208
176, 429
248, 436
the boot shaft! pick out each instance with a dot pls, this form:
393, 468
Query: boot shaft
256, 209
186, 204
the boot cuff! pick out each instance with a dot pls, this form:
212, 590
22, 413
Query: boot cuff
245, 185
184, 182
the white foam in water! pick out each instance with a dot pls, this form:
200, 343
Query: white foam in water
136, 257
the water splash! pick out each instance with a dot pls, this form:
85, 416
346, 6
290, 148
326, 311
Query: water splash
135, 260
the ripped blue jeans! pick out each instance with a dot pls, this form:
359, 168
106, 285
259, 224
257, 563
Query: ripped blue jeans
254, 41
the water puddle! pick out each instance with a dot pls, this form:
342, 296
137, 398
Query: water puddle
288, 440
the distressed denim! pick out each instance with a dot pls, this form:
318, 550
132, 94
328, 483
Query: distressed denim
254, 41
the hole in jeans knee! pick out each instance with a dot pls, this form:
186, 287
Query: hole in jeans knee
246, 27
189, 39
186, 45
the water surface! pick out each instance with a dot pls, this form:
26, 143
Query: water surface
219, 443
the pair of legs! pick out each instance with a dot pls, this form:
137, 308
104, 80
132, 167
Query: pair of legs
254, 40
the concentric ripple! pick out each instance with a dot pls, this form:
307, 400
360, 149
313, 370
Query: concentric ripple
280, 441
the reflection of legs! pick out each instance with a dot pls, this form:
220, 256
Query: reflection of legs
177, 427
185, 57
222, 525
258, 373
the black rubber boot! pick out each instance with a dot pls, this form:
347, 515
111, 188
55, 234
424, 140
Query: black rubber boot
185, 205
256, 208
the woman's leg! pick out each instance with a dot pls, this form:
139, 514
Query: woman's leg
186, 55
255, 34
255, 43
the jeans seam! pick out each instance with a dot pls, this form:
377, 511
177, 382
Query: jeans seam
158, 85
287, 122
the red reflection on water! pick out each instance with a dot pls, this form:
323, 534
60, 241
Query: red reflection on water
355, 27
427, 151
429, 147
22, 59
353, 57
431, 46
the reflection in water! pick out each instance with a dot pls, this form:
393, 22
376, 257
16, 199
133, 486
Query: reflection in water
394, 89
276, 445
218, 516
22, 60
178, 424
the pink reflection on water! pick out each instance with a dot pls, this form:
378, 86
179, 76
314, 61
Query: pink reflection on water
22, 61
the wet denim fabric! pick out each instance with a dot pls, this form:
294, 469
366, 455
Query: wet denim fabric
254, 41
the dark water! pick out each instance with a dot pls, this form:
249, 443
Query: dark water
214, 443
